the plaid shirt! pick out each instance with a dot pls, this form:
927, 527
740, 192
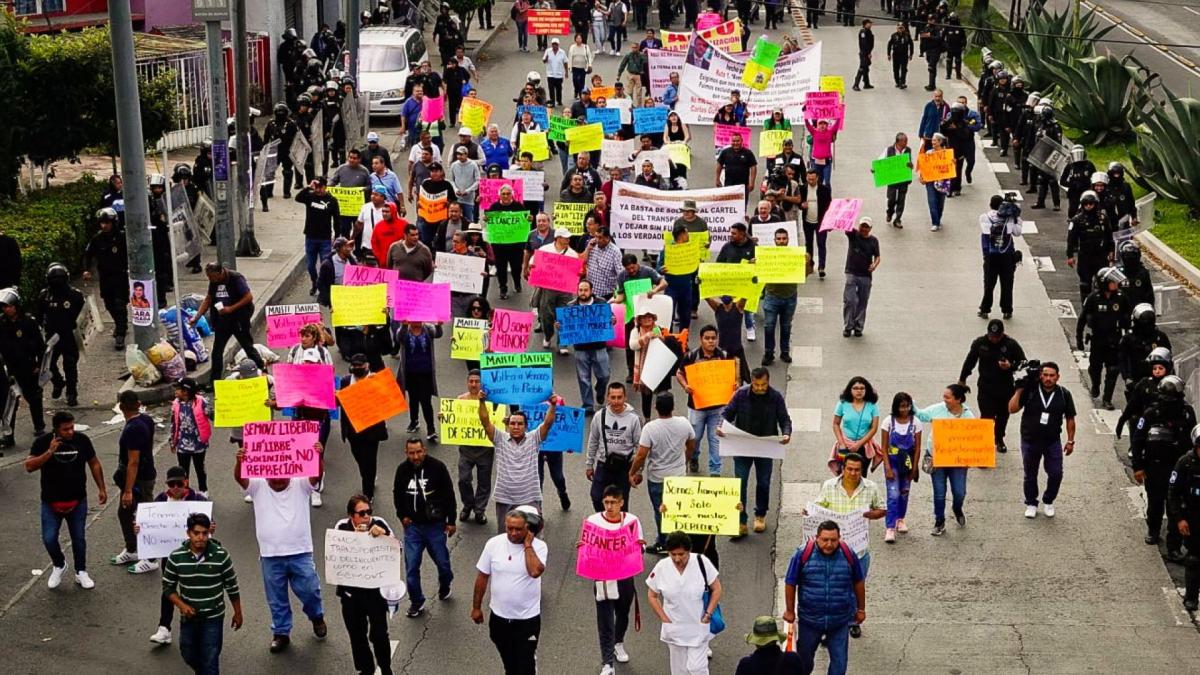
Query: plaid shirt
833, 496
603, 266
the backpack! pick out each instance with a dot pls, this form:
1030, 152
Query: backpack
811, 546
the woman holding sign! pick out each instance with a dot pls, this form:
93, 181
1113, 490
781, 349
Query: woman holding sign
677, 589
935, 190
613, 596
364, 610
953, 406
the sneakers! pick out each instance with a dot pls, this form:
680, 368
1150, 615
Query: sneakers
1031, 512
124, 558
607, 669
279, 643
889, 536
162, 636
855, 631
444, 594
750, 334
1048, 509
248, 499
415, 611
545, 344
901, 526
56, 575
938, 529
85, 582
413, 427
935, 228
315, 499
622, 655
432, 438
143, 566
760, 524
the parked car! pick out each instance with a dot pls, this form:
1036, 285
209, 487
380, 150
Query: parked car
385, 55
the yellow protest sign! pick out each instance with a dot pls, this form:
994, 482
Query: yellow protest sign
732, 279
770, 143
834, 83
756, 76
535, 143
753, 299
571, 215
936, 165
780, 264
349, 200
680, 153
681, 258
585, 138
964, 442
359, 305
467, 338
458, 421
237, 402
701, 505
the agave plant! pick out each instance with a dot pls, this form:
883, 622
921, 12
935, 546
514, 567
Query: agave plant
1098, 95
1166, 160
1052, 36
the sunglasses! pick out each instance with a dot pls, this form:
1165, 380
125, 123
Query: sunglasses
175, 484
366, 512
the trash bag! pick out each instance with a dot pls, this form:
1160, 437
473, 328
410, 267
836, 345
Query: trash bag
140, 368
174, 368
192, 340
265, 353
161, 353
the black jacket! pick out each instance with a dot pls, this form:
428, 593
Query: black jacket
1183, 494
21, 343
58, 311
320, 213
988, 355
866, 42
375, 432
424, 494
900, 46
1161, 435
824, 198
1107, 316
325, 277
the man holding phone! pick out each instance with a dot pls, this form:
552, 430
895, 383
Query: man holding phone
232, 303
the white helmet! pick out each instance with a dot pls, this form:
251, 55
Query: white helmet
533, 76
1099, 177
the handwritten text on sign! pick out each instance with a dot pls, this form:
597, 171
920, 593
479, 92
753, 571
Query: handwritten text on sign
517, 386
585, 323
281, 450
964, 442
464, 273
458, 421
285, 321
608, 555
853, 526
510, 331
371, 400
240, 401
701, 505
842, 215
357, 559
468, 338
304, 384
936, 165
566, 433
162, 526
555, 272
418, 301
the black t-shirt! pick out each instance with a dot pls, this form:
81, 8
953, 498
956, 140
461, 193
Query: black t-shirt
228, 292
64, 476
860, 254
138, 434
737, 165
1060, 405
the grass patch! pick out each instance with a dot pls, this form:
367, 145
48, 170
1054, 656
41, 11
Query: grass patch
973, 59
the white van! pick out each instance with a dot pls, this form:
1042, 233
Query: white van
385, 55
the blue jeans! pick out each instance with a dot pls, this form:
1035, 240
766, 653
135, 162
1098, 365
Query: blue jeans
316, 250
897, 489
200, 644
824, 171
781, 310
52, 525
554, 460
468, 209
705, 422
937, 203
522, 34
680, 288
763, 466
589, 363
655, 490
958, 488
418, 538
300, 573
809, 637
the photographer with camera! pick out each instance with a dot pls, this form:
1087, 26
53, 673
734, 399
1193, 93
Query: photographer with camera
998, 356
1047, 406
424, 497
999, 228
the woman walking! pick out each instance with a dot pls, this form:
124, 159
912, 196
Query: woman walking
416, 373
580, 57
900, 436
935, 190
364, 610
953, 406
821, 151
191, 430
677, 586
614, 598
855, 421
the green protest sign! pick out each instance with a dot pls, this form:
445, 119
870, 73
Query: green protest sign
634, 287
765, 53
559, 126
507, 227
892, 170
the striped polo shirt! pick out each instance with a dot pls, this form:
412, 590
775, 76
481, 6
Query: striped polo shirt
201, 581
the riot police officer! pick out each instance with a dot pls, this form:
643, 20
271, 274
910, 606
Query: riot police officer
1077, 178
283, 128
1045, 126
997, 355
181, 175
58, 308
1145, 390
160, 238
1089, 241
1106, 313
1136, 345
1002, 111
334, 132
22, 347
932, 46
107, 251
1159, 438
1121, 194
202, 169
1183, 509
1021, 131
1138, 287
304, 119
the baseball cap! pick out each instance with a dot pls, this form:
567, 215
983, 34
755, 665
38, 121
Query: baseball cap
865, 220
358, 360
176, 473
561, 232
464, 131
995, 327
555, 41
372, 137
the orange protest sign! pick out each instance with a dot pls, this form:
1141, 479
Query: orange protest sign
936, 165
964, 442
606, 92
434, 207
372, 400
712, 382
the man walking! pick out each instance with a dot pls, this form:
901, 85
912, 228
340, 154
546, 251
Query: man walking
424, 497
517, 480
779, 306
997, 354
998, 230
135, 472
472, 459
862, 257
664, 447
611, 444
1183, 509
832, 595
1047, 406
1159, 439
232, 305
512, 563
705, 421
759, 410
866, 45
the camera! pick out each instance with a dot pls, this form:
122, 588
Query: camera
1032, 372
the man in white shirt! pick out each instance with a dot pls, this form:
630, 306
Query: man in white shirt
370, 214
513, 564
555, 59
284, 533
664, 447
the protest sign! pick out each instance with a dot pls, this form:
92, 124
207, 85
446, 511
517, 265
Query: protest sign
237, 402
468, 338
602, 93
433, 207
571, 215
510, 331
661, 305
464, 273
766, 234
756, 76
419, 301
854, 528
534, 142
936, 165
640, 215
349, 199
557, 131
585, 323
373, 399
681, 258
537, 112
433, 108
489, 191
780, 264
516, 360
725, 36
713, 382
964, 442
304, 384
608, 118
625, 105
770, 143
516, 385
566, 432
585, 138
679, 153
1050, 156
281, 450
761, 66
549, 22
359, 305
608, 555
658, 362
659, 159
162, 526
507, 227
701, 505
475, 114
362, 275
738, 443
724, 133
458, 421
661, 63
674, 41
732, 279
842, 215
617, 154
533, 183
708, 20
632, 289
650, 120
619, 335
821, 105
892, 170
359, 560
834, 83
555, 272
285, 321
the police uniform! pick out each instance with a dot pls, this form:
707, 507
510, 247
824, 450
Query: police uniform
995, 384
1107, 315
1077, 179
1023, 133
1046, 128
1090, 242
1138, 286
1138, 398
1183, 504
22, 347
160, 238
285, 131
1001, 109
58, 307
1133, 349
107, 250
1158, 439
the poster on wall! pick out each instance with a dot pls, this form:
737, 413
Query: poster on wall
141, 302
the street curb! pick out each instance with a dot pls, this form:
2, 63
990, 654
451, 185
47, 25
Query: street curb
501, 26
1171, 261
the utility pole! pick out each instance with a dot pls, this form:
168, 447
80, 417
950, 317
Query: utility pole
247, 245
133, 166
352, 28
212, 13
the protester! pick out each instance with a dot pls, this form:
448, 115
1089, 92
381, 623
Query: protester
321, 215
591, 358
900, 436
424, 497
178, 490
815, 199
825, 594
410, 257
364, 445
135, 473
232, 305
935, 189
684, 591
190, 574
477, 460
759, 410
705, 421
1041, 424
517, 481
512, 564
953, 406
862, 258
664, 447
191, 429
897, 193
364, 610
767, 658
614, 598
855, 421
779, 306
417, 372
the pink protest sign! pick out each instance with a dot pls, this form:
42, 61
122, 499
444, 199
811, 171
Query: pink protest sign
489, 190
842, 215
361, 275
823, 105
723, 133
608, 555
510, 331
555, 272
620, 331
419, 301
708, 20
285, 321
304, 384
432, 109
281, 449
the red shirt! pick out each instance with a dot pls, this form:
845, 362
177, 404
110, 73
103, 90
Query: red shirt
387, 232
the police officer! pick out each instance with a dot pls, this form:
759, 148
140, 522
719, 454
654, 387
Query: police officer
58, 308
959, 137
1136, 345
181, 175
1023, 131
956, 42
1183, 509
1046, 127
290, 48
1159, 438
160, 238
1001, 110
1137, 287
107, 252
283, 128
983, 94
1121, 194
22, 347
1145, 390
932, 46
1106, 312
1077, 178
866, 45
202, 169
303, 119
900, 52
997, 355
1089, 236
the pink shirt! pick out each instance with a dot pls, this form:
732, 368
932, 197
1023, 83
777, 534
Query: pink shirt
822, 141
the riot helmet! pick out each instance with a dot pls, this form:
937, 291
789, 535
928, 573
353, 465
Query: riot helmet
1159, 356
1100, 178
158, 180
1143, 314
1078, 153
1130, 253
57, 273
9, 296
1089, 197
1172, 386
1116, 170
107, 214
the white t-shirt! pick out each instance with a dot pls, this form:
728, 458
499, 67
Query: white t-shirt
368, 215
667, 440
902, 427
281, 519
682, 600
515, 594
556, 62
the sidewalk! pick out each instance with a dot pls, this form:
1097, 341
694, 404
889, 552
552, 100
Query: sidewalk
1003, 594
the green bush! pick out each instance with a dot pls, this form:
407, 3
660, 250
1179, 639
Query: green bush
51, 225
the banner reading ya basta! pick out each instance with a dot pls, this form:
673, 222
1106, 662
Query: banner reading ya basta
641, 215
709, 74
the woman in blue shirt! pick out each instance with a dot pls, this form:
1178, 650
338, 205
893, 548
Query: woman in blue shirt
855, 421
953, 406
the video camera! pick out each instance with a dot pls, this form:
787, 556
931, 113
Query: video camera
1032, 372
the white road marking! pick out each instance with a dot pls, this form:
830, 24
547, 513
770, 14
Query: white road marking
1043, 263
1141, 37
805, 419
806, 357
1174, 597
395, 643
1066, 310
1029, 227
1137, 501
1105, 421
806, 305
1000, 167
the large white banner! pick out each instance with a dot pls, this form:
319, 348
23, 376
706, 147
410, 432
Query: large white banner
709, 74
642, 215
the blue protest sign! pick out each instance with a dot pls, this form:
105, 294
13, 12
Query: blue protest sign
585, 323
518, 386
650, 120
539, 112
566, 434
609, 118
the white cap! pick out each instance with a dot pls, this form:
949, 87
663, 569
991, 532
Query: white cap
866, 220
312, 355
372, 136
554, 41
562, 232
464, 131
